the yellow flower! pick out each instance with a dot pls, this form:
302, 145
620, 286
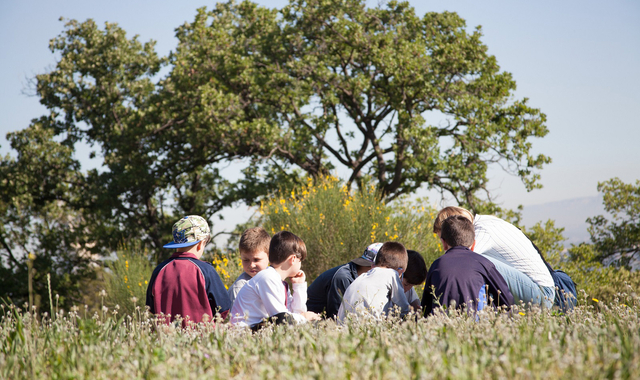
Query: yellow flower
595, 300
521, 313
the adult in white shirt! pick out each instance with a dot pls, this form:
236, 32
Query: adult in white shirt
512, 253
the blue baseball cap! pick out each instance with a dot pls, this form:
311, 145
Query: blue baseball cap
189, 231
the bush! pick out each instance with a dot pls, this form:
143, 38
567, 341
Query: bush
126, 285
582, 263
337, 223
228, 265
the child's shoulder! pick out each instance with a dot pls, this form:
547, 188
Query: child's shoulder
243, 277
266, 275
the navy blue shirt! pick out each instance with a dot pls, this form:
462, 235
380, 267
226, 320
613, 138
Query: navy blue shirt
326, 291
464, 277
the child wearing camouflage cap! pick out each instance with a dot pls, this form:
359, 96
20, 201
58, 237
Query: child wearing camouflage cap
183, 285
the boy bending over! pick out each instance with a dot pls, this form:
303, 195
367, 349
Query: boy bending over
376, 292
267, 295
254, 253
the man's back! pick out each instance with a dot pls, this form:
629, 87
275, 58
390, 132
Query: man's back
464, 277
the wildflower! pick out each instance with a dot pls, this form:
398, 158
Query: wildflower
595, 300
521, 313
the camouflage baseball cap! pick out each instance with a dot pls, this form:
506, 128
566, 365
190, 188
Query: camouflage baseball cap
369, 255
189, 231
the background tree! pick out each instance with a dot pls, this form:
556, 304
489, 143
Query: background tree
38, 215
618, 238
372, 92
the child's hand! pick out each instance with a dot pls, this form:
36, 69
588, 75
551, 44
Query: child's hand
299, 278
311, 316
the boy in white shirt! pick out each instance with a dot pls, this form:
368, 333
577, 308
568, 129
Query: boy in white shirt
267, 296
254, 255
376, 292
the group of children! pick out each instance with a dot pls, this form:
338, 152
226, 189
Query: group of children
485, 263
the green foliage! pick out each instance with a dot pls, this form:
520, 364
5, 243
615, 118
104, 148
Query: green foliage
583, 264
617, 239
126, 285
38, 215
337, 224
392, 99
338, 83
596, 341
599, 281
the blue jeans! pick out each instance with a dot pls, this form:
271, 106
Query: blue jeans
522, 287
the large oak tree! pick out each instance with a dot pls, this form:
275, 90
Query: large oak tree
318, 87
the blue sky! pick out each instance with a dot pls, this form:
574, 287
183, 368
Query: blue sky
578, 61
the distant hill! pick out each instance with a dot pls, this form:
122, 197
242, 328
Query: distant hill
570, 214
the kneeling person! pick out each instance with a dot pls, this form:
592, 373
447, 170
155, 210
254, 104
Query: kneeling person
461, 277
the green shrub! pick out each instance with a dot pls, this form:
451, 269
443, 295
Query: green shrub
337, 223
228, 265
126, 285
582, 263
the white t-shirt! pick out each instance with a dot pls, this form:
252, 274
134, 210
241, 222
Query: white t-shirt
265, 296
374, 294
411, 296
503, 241
237, 285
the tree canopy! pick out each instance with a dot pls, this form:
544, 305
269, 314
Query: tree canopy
318, 87
617, 238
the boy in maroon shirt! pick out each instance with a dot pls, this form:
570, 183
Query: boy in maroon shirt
183, 285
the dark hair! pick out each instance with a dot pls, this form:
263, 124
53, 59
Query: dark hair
458, 231
392, 255
254, 240
284, 244
416, 272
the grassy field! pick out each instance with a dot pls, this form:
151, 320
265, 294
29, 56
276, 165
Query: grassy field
597, 340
